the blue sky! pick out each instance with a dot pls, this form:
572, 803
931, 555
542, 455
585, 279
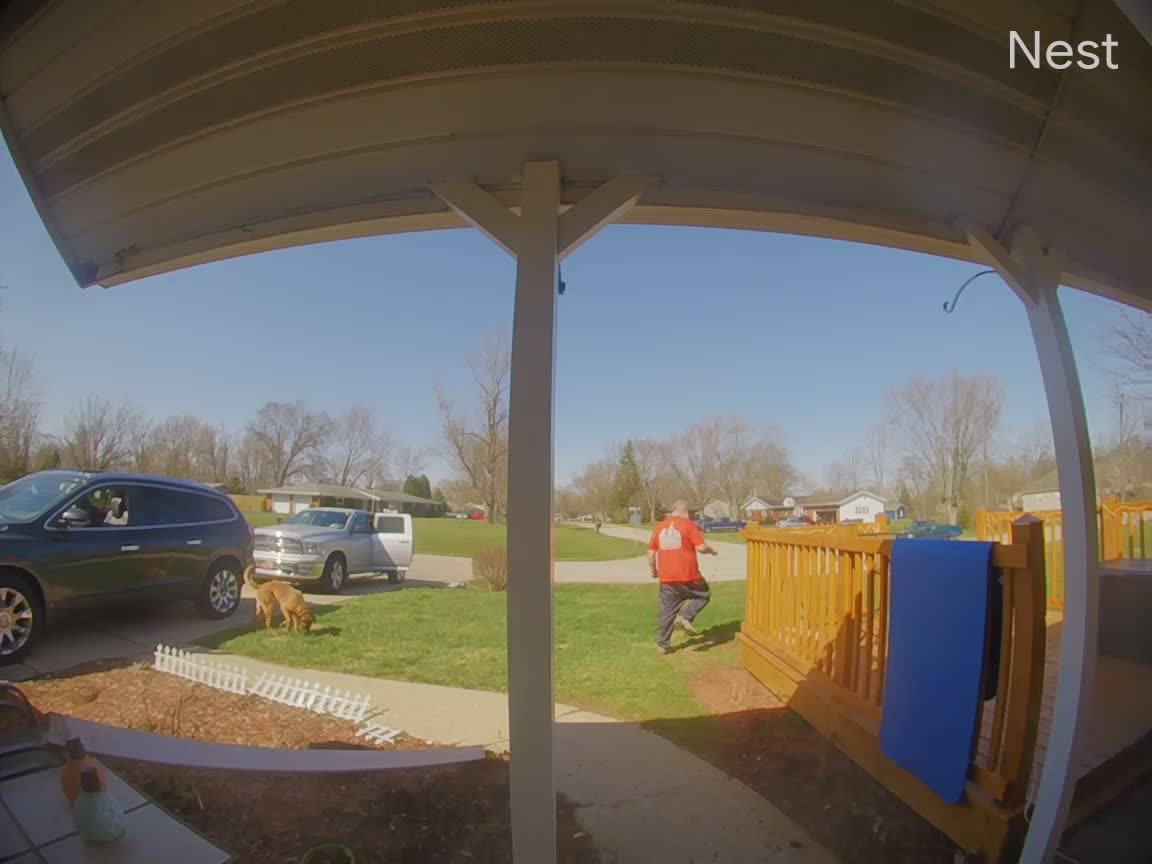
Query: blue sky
659, 328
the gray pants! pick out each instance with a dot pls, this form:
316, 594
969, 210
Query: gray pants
685, 599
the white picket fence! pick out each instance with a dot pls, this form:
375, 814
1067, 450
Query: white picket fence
196, 668
275, 688
379, 733
311, 697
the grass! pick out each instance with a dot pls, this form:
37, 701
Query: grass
606, 657
260, 520
465, 537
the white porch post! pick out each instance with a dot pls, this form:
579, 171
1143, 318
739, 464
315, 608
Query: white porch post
1034, 275
538, 238
530, 500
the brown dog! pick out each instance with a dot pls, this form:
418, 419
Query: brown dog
269, 595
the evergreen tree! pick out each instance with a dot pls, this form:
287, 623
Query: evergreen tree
626, 485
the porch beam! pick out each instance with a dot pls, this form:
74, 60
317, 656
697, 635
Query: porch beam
1034, 274
601, 207
481, 210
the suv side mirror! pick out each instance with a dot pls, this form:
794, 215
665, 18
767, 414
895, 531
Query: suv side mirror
75, 517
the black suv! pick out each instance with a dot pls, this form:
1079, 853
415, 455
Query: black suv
81, 537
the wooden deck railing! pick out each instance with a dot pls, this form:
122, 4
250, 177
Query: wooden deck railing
817, 608
1125, 532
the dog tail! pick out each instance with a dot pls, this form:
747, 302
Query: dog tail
249, 573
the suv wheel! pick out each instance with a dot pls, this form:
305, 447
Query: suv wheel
21, 618
334, 575
395, 577
220, 593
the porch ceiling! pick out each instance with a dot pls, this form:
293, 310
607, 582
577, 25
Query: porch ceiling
155, 134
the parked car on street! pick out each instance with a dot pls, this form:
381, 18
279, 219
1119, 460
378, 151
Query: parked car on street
794, 522
80, 538
328, 545
707, 525
929, 529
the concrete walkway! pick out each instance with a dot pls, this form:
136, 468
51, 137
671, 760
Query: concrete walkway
640, 797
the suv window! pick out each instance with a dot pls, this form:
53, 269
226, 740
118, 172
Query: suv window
108, 506
389, 524
359, 522
207, 508
157, 505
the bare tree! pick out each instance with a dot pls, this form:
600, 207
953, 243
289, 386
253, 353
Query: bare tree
477, 446
651, 462
749, 461
144, 450
594, 486
290, 437
1123, 459
216, 448
1129, 342
877, 456
19, 414
178, 447
694, 458
357, 448
99, 435
252, 463
409, 461
941, 423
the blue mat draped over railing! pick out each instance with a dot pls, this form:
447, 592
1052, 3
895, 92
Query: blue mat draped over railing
938, 633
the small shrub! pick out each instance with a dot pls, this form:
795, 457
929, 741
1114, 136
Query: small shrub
490, 570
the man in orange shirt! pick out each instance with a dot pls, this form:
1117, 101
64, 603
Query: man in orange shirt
672, 558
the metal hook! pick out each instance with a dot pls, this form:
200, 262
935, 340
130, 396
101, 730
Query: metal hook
949, 308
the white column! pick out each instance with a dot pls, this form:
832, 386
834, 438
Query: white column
537, 238
530, 452
1034, 275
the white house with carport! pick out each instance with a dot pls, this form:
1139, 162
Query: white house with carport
824, 507
293, 499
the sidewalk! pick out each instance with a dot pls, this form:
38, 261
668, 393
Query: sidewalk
640, 797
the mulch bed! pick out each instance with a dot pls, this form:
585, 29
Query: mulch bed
453, 813
755, 738
140, 698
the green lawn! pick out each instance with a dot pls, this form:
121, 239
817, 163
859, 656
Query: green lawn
606, 658
465, 537
259, 520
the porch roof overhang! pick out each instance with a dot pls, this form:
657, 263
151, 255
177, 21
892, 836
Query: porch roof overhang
157, 135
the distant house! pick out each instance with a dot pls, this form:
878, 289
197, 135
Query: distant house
756, 509
896, 511
293, 499
1041, 494
827, 508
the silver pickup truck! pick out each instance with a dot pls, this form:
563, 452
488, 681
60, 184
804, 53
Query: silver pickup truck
329, 545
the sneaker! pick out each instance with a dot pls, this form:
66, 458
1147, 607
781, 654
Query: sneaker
686, 625
663, 649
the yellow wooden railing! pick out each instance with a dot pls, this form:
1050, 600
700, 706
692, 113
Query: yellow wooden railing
1125, 532
816, 630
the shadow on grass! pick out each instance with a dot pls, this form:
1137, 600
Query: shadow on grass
713, 637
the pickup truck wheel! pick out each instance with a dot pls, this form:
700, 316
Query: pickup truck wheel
394, 577
21, 618
334, 575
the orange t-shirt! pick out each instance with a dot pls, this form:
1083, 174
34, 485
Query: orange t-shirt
674, 541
